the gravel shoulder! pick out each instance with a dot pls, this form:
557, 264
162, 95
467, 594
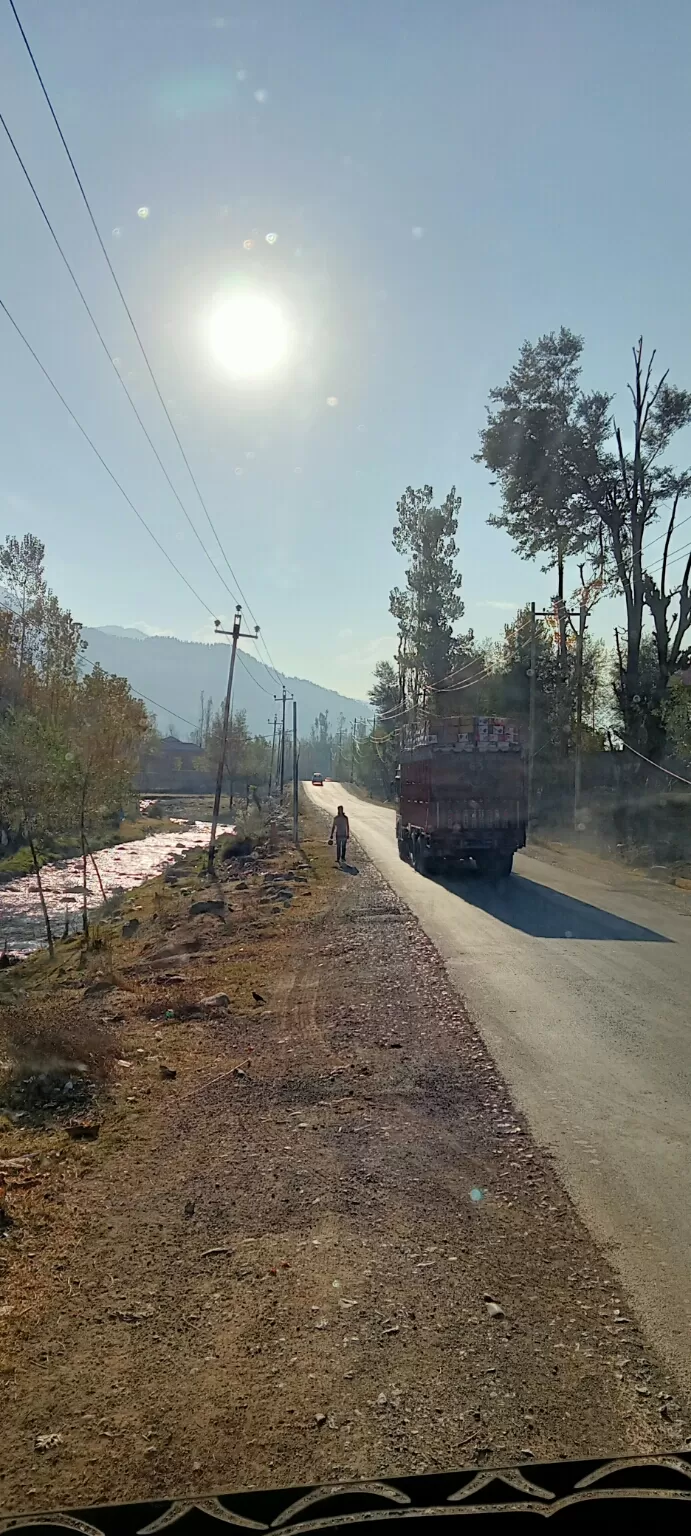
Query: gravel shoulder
660, 884
328, 1248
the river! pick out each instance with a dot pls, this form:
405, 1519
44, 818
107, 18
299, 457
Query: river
122, 867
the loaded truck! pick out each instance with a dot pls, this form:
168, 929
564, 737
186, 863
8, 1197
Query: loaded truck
461, 795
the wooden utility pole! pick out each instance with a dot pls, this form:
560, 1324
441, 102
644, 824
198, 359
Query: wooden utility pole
273, 749
281, 699
295, 773
283, 743
235, 634
352, 755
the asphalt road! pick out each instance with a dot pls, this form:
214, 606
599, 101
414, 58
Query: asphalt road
583, 995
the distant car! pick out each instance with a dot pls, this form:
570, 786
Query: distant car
318, 779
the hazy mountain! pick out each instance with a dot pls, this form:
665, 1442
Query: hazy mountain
126, 634
175, 672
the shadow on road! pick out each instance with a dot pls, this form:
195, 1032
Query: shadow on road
546, 914
350, 869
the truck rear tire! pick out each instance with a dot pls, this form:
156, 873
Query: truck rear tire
424, 859
403, 850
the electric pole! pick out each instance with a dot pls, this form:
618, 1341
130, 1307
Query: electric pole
281, 699
282, 743
273, 749
582, 620
352, 754
236, 634
295, 773
531, 718
564, 615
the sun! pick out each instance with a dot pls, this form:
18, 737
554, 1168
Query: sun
249, 335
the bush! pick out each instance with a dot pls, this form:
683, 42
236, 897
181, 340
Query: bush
238, 846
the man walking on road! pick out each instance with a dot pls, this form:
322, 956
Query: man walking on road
341, 831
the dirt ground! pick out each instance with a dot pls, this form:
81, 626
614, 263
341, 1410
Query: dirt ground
327, 1248
661, 883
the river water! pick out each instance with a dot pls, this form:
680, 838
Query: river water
121, 868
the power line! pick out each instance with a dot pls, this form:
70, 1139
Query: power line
278, 676
659, 767
678, 555
435, 688
456, 687
101, 459
456, 672
252, 679
164, 707
106, 349
660, 536
129, 314
459, 687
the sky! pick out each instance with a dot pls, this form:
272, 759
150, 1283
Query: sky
443, 181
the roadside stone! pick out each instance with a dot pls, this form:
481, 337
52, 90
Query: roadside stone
129, 929
200, 908
83, 1130
217, 1000
168, 1073
98, 986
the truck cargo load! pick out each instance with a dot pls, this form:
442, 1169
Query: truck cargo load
461, 792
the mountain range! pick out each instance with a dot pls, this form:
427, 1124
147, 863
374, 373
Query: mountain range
172, 674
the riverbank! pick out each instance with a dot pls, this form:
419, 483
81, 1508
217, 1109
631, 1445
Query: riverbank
111, 873
19, 863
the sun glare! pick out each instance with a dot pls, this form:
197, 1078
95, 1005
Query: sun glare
249, 335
